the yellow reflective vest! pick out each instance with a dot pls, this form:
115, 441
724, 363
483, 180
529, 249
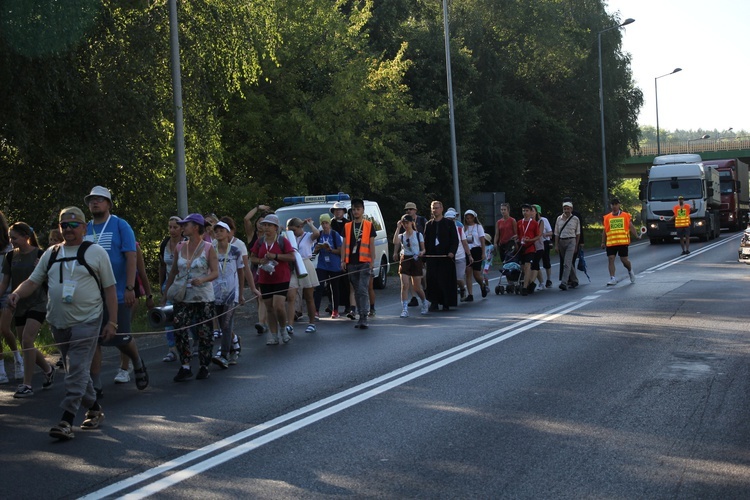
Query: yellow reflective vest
617, 229
681, 215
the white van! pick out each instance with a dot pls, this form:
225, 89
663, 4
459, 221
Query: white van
312, 207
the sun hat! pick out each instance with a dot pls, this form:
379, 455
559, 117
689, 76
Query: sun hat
270, 219
410, 206
194, 218
324, 218
98, 191
72, 214
338, 206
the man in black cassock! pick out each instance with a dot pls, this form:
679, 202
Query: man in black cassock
441, 243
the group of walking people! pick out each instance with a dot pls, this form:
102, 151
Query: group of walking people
86, 283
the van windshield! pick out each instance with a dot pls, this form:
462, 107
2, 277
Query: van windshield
303, 212
669, 190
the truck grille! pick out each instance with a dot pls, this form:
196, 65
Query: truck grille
663, 212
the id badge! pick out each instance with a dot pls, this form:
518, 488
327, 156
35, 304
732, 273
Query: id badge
69, 289
327, 258
356, 247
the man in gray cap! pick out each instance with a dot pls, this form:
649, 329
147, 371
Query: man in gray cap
76, 273
116, 237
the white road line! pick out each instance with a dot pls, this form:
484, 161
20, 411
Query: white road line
322, 410
682, 258
400, 376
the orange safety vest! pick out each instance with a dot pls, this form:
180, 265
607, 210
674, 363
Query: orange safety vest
365, 252
681, 215
617, 229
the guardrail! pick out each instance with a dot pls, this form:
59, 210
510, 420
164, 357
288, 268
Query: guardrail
694, 146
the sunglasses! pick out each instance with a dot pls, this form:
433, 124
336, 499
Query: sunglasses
71, 225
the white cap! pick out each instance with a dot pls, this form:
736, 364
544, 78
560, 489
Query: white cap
98, 191
451, 213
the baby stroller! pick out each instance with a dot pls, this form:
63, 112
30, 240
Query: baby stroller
512, 271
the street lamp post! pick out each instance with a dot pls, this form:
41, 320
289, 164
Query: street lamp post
601, 109
704, 136
179, 133
656, 96
451, 115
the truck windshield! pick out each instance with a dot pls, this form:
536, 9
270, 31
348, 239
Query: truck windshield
727, 186
669, 190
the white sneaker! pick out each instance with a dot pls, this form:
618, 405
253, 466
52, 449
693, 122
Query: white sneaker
122, 377
612, 281
425, 307
4, 378
404, 314
18, 365
632, 276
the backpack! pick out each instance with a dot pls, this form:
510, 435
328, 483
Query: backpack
79, 257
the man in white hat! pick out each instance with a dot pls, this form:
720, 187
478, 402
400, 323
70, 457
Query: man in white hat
116, 237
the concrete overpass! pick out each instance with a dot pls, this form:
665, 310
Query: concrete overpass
639, 161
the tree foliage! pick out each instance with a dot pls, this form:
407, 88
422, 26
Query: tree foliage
312, 96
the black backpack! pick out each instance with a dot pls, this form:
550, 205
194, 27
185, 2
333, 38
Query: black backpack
78, 257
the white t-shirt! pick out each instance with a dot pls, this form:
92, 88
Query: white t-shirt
305, 245
86, 304
460, 253
474, 234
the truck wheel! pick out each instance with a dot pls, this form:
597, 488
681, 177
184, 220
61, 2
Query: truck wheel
382, 278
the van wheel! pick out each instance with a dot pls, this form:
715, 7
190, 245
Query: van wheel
382, 279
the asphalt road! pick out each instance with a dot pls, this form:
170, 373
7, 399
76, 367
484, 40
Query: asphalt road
600, 392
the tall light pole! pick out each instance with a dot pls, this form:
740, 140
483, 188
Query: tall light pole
656, 96
601, 109
179, 133
451, 116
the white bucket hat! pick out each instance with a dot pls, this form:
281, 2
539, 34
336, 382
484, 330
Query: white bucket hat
98, 191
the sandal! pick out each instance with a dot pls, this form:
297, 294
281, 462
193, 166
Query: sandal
141, 377
171, 356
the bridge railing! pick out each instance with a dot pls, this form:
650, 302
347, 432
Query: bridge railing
694, 146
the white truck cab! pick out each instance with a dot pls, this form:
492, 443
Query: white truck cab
312, 207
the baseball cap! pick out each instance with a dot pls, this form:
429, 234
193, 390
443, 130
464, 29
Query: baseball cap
451, 213
72, 214
538, 208
410, 206
98, 191
568, 204
194, 218
222, 225
614, 200
680, 197
470, 212
325, 218
270, 219
407, 218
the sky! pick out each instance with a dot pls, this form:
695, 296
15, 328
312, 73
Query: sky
709, 40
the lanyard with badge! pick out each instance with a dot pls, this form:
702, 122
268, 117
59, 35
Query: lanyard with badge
104, 228
328, 240
357, 235
222, 269
69, 285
